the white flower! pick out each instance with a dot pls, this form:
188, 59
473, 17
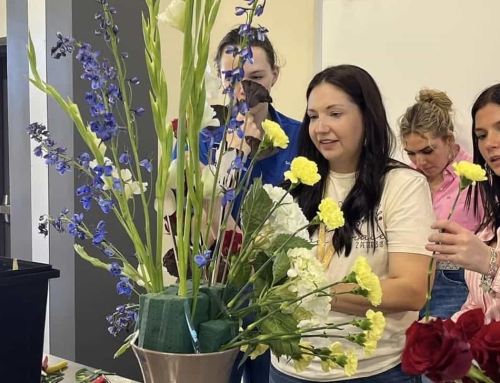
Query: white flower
94, 163
174, 14
286, 219
307, 275
169, 203
209, 117
172, 175
130, 186
142, 282
208, 179
212, 85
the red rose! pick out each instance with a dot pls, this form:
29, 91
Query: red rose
485, 347
437, 351
470, 322
235, 244
175, 125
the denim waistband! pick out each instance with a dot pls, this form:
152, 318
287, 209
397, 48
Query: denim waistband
448, 266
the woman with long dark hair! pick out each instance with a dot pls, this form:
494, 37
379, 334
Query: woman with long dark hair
478, 254
388, 212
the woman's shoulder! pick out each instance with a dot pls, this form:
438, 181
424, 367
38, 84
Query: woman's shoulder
401, 173
403, 182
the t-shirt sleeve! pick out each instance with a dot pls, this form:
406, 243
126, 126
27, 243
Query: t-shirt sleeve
408, 212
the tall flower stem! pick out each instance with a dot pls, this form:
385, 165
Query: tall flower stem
431, 264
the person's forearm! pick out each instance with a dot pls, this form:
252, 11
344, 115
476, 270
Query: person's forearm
397, 296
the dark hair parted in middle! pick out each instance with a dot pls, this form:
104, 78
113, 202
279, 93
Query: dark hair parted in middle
374, 161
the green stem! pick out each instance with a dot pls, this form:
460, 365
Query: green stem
431, 264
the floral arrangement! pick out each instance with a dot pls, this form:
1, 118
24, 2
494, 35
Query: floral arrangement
446, 351
269, 269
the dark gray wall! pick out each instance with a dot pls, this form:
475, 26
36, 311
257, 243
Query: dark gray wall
61, 190
84, 295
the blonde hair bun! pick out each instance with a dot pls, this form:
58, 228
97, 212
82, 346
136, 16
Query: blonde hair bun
436, 97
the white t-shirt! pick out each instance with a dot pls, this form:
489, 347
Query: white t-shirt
404, 218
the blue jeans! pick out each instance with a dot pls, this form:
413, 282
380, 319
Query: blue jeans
448, 293
252, 371
394, 375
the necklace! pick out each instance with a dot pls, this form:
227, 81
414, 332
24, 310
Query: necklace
325, 250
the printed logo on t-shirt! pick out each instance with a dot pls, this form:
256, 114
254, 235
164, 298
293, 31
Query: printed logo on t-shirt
368, 240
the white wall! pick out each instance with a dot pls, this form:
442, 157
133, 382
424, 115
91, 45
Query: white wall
3, 18
407, 45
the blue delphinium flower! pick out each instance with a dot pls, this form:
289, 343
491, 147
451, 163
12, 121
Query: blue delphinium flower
123, 318
54, 156
74, 226
64, 45
115, 269
124, 287
82, 190
203, 259
108, 251
237, 165
86, 202
228, 196
106, 205
100, 233
146, 164
124, 158
139, 111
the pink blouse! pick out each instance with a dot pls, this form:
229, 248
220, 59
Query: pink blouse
442, 199
488, 302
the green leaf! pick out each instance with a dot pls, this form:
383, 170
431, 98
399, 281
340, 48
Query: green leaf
126, 345
256, 207
249, 350
243, 275
281, 323
94, 261
285, 242
265, 276
280, 267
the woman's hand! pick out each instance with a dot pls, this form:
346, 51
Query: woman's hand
458, 245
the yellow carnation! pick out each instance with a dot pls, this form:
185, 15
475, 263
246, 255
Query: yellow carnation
328, 364
377, 325
330, 214
336, 351
367, 280
469, 173
351, 366
304, 171
372, 336
369, 347
259, 350
274, 133
305, 359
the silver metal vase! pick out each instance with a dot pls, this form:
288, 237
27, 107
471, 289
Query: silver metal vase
160, 367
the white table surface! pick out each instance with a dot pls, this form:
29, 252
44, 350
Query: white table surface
69, 373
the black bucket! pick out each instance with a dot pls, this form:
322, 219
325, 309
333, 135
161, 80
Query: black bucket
23, 303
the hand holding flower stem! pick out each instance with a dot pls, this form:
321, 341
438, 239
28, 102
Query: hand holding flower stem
469, 174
